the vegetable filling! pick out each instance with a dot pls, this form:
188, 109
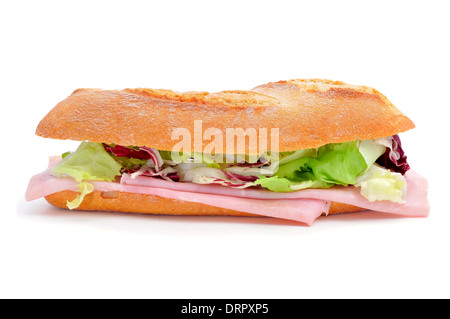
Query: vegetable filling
376, 166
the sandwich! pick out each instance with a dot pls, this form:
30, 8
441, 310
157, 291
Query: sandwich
295, 150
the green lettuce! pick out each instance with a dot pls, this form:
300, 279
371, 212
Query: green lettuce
277, 184
90, 162
331, 164
84, 189
349, 163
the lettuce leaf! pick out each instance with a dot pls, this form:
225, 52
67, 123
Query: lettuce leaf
394, 158
331, 164
130, 163
84, 189
371, 150
277, 184
379, 183
338, 164
89, 162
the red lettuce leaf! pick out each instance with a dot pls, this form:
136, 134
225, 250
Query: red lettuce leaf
144, 153
394, 158
123, 151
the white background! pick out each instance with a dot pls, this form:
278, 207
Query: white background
50, 48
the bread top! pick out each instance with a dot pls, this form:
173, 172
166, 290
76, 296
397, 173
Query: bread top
308, 114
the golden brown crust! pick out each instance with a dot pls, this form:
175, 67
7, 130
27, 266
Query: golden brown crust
150, 204
139, 203
309, 113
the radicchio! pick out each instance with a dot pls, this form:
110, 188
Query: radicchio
238, 177
155, 156
232, 180
123, 151
168, 173
144, 153
394, 158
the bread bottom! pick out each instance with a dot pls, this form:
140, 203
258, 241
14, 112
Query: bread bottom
150, 204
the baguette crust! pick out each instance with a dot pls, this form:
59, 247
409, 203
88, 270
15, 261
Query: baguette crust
308, 113
150, 204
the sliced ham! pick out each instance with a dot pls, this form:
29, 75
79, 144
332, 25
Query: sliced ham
303, 206
301, 210
416, 201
